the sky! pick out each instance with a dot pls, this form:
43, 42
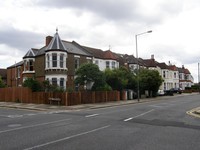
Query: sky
105, 24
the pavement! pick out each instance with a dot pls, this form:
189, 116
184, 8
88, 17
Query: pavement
47, 107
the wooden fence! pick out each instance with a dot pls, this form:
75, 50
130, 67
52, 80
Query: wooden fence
25, 95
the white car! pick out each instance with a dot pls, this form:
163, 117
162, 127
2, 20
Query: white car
160, 93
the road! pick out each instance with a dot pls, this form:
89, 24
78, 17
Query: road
156, 125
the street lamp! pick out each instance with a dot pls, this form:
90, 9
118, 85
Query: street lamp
138, 84
198, 79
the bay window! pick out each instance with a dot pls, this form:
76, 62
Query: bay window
54, 59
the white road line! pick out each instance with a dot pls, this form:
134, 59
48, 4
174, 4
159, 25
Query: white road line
67, 138
91, 115
128, 119
15, 116
139, 115
30, 114
32, 126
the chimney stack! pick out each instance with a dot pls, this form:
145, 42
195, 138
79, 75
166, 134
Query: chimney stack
152, 56
48, 40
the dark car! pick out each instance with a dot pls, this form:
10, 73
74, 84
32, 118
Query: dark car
176, 90
169, 93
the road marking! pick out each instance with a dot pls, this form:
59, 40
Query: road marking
128, 119
32, 126
67, 138
139, 115
14, 125
91, 115
15, 116
31, 114
193, 112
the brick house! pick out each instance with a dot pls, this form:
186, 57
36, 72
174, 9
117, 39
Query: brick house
3, 74
58, 60
55, 62
185, 78
103, 59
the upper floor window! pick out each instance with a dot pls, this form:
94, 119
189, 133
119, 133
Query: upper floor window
54, 59
28, 65
61, 60
107, 64
174, 74
48, 61
77, 63
18, 72
164, 75
31, 65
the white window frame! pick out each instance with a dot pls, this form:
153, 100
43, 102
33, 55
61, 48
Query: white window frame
60, 64
58, 80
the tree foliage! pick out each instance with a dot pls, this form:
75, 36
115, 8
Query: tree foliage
150, 80
89, 73
2, 84
119, 78
33, 84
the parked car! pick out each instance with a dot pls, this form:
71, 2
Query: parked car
176, 90
160, 93
169, 92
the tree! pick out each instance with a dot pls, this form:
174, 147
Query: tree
150, 80
2, 84
119, 78
89, 74
33, 84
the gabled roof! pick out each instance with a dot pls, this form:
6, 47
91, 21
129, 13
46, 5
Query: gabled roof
109, 55
17, 64
184, 70
76, 48
130, 59
173, 67
56, 43
162, 65
31, 53
150, 62
97, 53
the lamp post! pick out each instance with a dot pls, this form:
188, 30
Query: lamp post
198, 79
138, 84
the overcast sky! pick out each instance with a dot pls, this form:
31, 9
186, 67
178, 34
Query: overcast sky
24, 24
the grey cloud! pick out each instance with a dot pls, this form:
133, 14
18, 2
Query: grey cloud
174, 53
109, 9
19, 39
120, 10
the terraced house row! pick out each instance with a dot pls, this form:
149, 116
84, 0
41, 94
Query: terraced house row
58, 60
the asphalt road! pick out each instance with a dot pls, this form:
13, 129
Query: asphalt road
156, 125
